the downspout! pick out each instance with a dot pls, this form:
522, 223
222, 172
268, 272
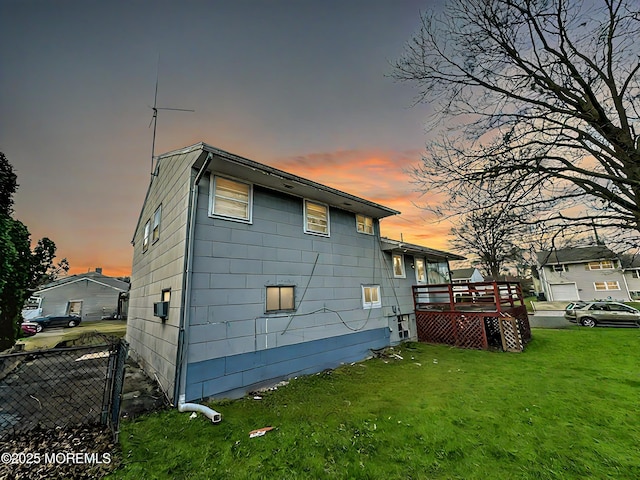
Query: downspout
181, 364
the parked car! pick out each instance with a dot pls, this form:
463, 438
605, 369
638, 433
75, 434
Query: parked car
590, 314
29, 328
56, 321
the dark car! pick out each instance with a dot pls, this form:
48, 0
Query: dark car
590, 314
55, 321
29, 328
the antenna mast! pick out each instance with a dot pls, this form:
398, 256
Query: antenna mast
154, 117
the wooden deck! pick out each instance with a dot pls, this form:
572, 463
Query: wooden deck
472, 315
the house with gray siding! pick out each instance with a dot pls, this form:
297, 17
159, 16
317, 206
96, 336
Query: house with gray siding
91, 296
591, 272
631, 272
466, 275
244, 275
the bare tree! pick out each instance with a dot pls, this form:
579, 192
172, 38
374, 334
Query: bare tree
490, 236
541, 100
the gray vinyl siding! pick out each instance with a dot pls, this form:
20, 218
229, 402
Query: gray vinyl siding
153, 341
234, 263
584, 279
97, 300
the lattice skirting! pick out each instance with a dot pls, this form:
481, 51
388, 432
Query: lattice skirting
475, 330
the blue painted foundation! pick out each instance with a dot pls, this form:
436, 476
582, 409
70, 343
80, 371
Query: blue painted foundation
232, 376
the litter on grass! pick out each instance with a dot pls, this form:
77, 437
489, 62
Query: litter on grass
193, 415
259, 432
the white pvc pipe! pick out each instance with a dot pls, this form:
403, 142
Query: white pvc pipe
214, 416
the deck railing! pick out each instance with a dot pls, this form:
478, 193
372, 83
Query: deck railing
472, 315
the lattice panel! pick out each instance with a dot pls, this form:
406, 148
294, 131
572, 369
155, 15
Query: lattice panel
450, 328
511, 338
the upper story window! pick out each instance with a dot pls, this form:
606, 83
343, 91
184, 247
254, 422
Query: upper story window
398, 265
559, 268
145, 240
155, 235
602, 265
635, 273
316, 218
364, 224
230, 199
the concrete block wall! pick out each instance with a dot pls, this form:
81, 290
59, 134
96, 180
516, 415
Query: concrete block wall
234, 262
153, 340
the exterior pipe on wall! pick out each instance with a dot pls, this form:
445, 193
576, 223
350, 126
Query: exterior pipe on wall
214, 416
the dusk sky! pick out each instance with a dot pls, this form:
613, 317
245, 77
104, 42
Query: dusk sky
299, 85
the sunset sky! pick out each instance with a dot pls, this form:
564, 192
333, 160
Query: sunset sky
301, 85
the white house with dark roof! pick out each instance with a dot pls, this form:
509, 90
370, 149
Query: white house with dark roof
466, 275
586, 273
244, 275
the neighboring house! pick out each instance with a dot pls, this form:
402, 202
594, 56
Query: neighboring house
582, 273
631, 269
466, 275
91, 296
244, 275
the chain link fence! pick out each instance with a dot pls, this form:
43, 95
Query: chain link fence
62, 387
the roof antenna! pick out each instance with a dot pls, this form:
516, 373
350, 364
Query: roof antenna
154, 117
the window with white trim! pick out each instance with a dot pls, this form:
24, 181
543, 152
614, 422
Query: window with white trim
316, 218
601, 286
145, 240
364, 224
602, 265
230, 199
398, 265
635, 273
155, 234
559, 268
371, 297
280, 298
421, 272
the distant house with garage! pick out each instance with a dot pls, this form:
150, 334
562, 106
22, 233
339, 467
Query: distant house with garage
244, 275
582, 273
91, 296
631, 272
466, 275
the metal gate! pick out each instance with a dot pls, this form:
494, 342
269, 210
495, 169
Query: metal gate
61, 387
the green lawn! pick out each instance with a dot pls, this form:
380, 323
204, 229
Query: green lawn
568, 407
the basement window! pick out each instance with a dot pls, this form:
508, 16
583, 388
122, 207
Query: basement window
403, 326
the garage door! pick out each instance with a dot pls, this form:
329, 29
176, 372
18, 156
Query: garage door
564, 291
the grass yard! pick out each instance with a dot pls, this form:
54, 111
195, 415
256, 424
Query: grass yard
568, 407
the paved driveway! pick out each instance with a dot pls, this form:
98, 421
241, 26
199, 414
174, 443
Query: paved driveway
549, 321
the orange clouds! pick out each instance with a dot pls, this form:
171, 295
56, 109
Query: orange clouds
379, 176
